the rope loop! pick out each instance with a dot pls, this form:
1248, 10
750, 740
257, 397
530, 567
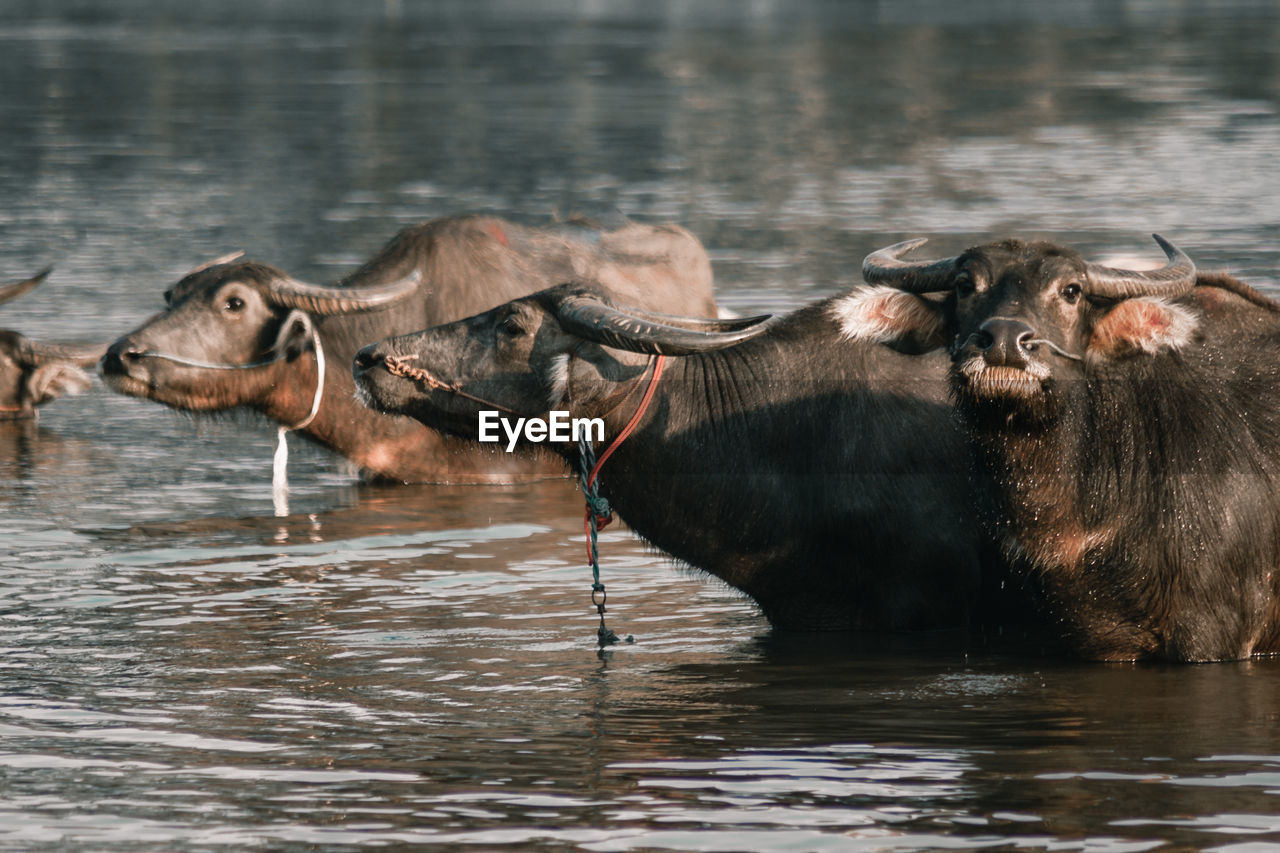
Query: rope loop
280, 460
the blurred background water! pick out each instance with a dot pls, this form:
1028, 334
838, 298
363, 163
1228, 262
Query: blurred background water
394, 665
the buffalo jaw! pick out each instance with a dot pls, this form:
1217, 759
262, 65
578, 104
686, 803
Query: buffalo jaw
392, 383
376, 387
187, 388
146, 386
1001, 383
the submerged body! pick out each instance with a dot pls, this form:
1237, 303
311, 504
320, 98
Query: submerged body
1129, 432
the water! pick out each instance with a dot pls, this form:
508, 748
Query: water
387, 666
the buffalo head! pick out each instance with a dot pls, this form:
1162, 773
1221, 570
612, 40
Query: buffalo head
566, 347
1022, 318
33, 373
224, 315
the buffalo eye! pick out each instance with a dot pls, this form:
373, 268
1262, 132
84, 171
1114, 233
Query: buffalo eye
965, 285
511, 326
1072, 292
234, 304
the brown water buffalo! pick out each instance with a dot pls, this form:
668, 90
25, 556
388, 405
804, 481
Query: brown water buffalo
33, 373
825, 479
1127, 424
239, 333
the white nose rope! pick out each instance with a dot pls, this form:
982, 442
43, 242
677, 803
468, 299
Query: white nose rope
280, 464
279, 467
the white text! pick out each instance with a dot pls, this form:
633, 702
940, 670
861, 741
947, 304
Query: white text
557, 426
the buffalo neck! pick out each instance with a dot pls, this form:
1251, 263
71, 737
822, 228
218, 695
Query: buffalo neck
790, 465
664, 479
1037, 510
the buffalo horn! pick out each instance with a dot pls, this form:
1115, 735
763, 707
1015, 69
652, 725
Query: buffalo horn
318, 299
13, 291
216, 262
34, 354
634, 331
1173, 279
885, 266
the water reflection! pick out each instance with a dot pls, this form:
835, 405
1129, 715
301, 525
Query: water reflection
180, 670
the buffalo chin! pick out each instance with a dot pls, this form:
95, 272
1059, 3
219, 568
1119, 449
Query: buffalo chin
377, 389
1001, 398
127, 385
133, 387
1004, 383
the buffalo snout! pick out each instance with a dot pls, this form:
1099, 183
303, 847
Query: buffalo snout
1005, 342
119, 357
376, 387
370, 357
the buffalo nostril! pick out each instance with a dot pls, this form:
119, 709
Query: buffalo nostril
368, 358
118, 357
1005, 341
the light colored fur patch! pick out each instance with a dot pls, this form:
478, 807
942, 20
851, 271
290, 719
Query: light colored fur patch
558, 380
1018, 382
1148, 325
884, 315
364, 398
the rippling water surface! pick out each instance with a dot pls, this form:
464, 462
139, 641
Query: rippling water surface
391, 665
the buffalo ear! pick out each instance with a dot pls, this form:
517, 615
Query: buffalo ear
885, 315
54, 379
1147, 325
295, 335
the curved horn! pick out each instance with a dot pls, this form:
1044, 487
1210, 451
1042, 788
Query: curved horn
595, 321
13, 291
34, 354
317, 299
885, 266
695, 324
1173, 279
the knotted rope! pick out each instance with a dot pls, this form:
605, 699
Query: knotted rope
397, 365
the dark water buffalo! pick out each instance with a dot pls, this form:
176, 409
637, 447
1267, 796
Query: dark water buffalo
1128, 424
825, 480
237, 313
32, 373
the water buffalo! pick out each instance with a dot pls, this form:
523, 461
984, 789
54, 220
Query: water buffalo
235, 313
1127, 424
825, 480
32, 373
